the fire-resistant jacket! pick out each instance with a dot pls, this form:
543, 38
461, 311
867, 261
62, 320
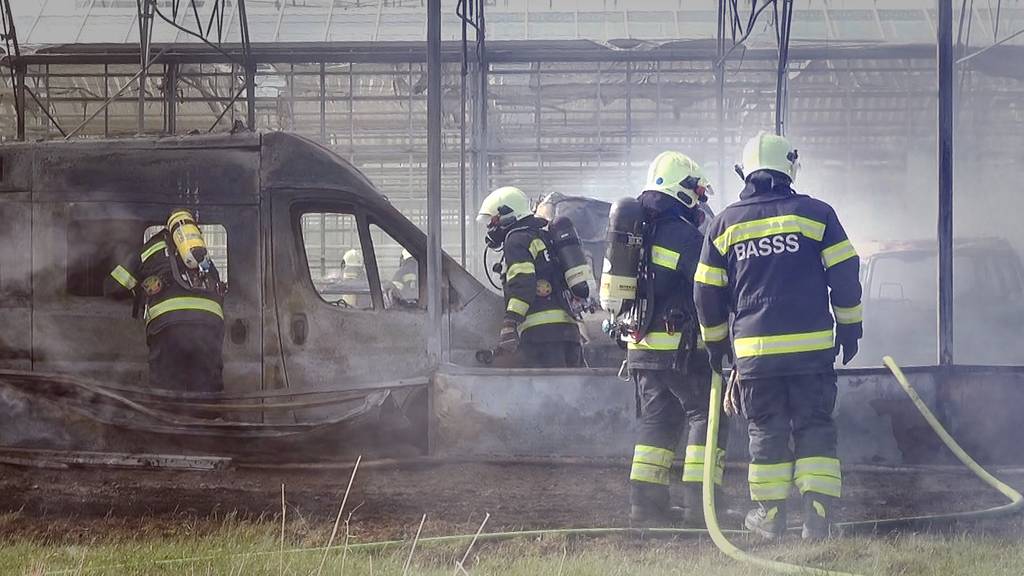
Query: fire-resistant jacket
531, 283
149, 275
671, 252
773, 260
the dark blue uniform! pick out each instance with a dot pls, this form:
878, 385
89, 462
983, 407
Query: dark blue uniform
771, 266
673, 376
550, 337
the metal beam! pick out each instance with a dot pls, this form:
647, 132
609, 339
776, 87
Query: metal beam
435, 332
945, 179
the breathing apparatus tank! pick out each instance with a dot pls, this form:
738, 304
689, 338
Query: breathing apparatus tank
622, 256
565, 243
188, 240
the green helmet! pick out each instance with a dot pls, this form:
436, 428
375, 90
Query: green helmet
675, 174
770, 152
504, 206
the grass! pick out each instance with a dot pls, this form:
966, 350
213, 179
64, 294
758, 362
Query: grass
234, 547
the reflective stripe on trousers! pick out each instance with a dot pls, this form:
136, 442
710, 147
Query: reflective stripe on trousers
693, 465
770, 481
819, 474
651, 464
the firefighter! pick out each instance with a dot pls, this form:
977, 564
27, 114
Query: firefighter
672, 377
404, 289
176, 283
536, 323
770, 265
354, 286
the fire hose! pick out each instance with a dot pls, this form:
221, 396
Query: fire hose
729, 549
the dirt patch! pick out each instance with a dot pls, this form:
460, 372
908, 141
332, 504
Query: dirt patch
84, 504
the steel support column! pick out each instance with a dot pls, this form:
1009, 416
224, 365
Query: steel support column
480, 139
945, 165
19, 98
435, 314
171, 98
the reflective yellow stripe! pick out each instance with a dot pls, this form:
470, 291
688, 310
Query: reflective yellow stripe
711, 276
770, 481
124, 277
517, 306
661, 256
817, 466
520, 268
754, 229
767, 492
826, 485
410, 278
851, 315
649, 473
784, 344
556, 316
657, 341
715, 333
693, 465
159, 246
537, 246
578, 274
838, 252
184, 303
654, 455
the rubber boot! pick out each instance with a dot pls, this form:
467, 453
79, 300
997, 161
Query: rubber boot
768, 520
693, 504
817, 516
650, 507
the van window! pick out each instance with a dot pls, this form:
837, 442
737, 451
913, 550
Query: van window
216, 237
336, 259
399, 271
94, 248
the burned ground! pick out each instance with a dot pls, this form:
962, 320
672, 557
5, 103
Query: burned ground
83, 505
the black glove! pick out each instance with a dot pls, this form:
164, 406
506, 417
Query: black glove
508, 339
717, 353
847, 343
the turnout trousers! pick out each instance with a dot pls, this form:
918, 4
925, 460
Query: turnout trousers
187, 357
798, 407
670, 402
562, 354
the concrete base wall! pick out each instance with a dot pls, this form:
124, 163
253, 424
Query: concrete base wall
591, 413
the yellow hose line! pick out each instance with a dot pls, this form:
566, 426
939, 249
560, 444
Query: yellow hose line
1016, 499
728, 548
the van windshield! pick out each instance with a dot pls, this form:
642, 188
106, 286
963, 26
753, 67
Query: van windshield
912, 277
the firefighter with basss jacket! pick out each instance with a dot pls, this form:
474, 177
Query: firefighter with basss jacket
772, 266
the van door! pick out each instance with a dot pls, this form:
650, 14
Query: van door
342, 322
76, 329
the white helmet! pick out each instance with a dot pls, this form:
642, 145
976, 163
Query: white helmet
676, 175
768, 151
353, 258
504, 206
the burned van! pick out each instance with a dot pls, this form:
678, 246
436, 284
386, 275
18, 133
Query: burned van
280, 213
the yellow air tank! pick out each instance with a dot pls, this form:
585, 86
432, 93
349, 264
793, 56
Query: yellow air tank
187, 238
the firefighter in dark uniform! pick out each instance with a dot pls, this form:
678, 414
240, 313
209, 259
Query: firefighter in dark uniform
672, 376
536, 322
173, 278
771, 265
